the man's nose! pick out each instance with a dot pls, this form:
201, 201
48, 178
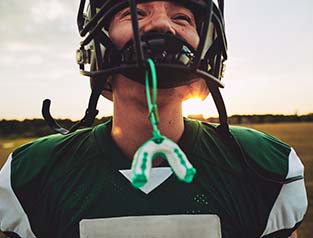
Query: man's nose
158, 23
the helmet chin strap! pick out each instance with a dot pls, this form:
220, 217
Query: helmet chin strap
86, 121
158, 145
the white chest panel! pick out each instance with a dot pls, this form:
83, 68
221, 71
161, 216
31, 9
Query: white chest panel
169, 226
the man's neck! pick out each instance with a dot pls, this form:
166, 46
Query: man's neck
131, 126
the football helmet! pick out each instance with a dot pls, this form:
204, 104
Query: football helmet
177, 62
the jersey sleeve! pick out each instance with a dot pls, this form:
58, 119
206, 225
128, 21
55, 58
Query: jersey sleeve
12, 215
276, 161
27, 175
20, 183
291, 203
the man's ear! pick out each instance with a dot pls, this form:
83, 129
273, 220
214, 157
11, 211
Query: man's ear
203, 90
107, 91
198, 89
107, 94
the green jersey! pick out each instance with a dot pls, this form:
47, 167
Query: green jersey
51, 184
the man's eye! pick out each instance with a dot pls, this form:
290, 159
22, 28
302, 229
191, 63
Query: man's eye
140, 13
183, 18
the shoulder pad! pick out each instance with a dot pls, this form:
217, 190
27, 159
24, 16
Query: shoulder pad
268, 155
30, 159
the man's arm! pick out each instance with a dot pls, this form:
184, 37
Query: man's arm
294, 235
8, 235
2, 235
12, 216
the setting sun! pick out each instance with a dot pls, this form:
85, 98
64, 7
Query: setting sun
195, 106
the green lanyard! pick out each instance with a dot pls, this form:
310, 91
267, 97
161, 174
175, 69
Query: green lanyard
158, 145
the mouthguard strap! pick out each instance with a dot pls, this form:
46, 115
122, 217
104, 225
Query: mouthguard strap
152, 106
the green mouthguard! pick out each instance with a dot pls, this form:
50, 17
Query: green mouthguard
158, 145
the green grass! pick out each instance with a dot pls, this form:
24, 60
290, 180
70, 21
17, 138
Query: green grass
8, 145
298, 135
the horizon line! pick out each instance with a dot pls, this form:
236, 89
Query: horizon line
189, 115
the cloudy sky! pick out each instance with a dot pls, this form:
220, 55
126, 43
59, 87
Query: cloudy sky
270, 67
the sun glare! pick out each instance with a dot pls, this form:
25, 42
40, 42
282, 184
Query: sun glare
195, 106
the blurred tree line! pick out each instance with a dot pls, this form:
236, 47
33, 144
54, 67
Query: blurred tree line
34, 127
255, 119
38, 127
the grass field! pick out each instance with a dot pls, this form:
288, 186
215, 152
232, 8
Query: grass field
8, 145
298, 135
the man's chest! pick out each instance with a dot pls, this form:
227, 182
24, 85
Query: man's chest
109, 193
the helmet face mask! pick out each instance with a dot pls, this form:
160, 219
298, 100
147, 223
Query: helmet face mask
177, 62
175, 59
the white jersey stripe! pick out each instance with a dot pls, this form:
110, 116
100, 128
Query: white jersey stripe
291, 203
295, 167
12, 216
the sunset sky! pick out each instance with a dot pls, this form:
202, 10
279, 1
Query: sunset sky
270, 66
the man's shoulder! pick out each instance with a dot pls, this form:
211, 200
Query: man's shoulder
47, 145
250, 139
61, 152
256, 140
269, 155
58, 142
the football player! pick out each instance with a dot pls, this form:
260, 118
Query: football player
245, 183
